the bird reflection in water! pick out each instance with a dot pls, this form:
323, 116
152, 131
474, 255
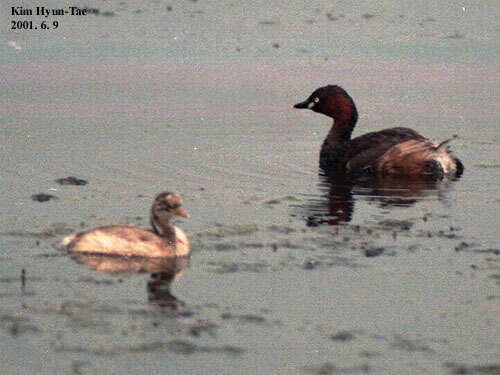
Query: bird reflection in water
342, 192
163, 272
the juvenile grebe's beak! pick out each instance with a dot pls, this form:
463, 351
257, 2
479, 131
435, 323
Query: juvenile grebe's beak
179, 211
302, 105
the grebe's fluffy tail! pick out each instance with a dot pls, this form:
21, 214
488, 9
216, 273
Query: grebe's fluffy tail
420, 157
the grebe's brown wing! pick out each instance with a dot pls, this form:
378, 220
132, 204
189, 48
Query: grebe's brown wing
416, 157
365, 151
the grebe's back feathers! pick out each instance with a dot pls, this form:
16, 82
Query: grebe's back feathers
119, 239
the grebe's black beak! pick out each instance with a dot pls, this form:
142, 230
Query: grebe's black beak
302, 105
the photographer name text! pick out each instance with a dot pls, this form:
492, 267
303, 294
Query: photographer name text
25, 20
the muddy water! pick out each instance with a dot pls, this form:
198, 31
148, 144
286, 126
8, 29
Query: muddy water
290, 273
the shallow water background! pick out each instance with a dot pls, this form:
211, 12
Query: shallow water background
197, 98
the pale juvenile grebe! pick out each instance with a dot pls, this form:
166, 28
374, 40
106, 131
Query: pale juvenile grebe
164, 240
395, 151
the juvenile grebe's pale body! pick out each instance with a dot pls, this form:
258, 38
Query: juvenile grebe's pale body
394, 151
164, 240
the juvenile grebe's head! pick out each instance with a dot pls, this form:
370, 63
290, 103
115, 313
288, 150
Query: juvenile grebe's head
331, 101
168, 204
165, 206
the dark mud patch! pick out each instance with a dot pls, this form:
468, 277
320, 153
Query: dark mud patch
180, 347
374, 252
22, 279
339, 335
311, 264
391, 225
328, 368
426, 20
331, 16
455, 36
280, 200
71, 180
462, 246
368, 16
450, 233
369, 354
244, 318
17, 325
78, 365
94, 281
268, 23
489, 369
472, 248
281, 229
342, 336
203, 327
405, 344
50, 255
43, 197
233, 267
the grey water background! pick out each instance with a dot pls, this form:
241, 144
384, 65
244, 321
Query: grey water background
195, 97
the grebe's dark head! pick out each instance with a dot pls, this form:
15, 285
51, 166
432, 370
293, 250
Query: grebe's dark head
332, 101
168, 204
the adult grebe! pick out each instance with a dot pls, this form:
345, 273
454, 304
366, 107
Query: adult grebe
394, 151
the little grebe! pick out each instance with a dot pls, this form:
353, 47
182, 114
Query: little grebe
394, 151
164, 240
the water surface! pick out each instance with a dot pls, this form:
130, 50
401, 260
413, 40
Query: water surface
289, 272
